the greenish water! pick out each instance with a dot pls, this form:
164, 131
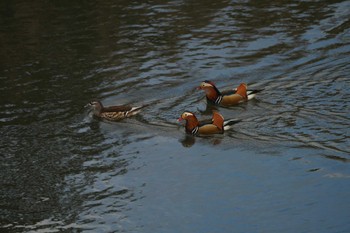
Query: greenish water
284, 168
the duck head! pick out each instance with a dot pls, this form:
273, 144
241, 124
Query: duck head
191, 120
210, 90
96, 107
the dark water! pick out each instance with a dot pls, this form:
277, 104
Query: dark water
285, 168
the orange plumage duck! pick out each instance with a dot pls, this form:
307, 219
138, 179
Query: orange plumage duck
217, 125
227, 98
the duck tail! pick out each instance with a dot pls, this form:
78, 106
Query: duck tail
252, 93
228, 123
133, 111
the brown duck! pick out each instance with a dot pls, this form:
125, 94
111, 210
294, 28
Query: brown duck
227, 98
113, 113
217, 125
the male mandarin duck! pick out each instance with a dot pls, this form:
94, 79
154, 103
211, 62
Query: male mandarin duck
217, 125
113, 113
227, 98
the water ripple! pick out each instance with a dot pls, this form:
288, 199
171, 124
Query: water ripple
77, 169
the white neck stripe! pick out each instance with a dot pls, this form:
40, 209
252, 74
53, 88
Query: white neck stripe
195, 130
218, 100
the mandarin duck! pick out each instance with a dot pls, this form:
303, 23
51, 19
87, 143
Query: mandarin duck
217, 125
113, 113
227, 98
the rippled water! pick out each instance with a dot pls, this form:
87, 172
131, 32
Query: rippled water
284, 168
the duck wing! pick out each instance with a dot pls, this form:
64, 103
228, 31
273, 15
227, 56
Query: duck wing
121, 108
205, 122
218, 120
228, 92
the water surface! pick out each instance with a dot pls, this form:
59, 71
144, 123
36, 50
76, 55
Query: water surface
284, 168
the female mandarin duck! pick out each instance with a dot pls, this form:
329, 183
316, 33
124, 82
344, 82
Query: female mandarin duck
227, 98
113, 113
216, 125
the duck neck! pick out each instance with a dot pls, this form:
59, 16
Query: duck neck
98, 108
191, 124
212, 94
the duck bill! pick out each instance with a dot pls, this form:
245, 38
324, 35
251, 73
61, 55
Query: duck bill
180, 119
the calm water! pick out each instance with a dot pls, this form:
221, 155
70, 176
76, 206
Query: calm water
284, 168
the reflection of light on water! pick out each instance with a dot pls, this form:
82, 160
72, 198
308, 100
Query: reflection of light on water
45, 225
337, 175
91, 174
